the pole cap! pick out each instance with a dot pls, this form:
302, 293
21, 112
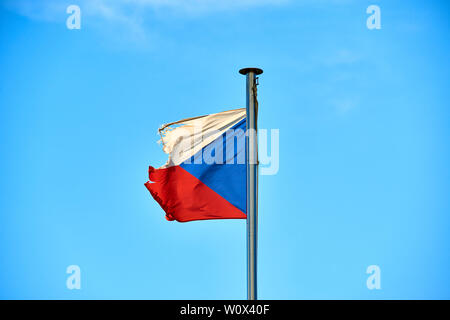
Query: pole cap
247, 70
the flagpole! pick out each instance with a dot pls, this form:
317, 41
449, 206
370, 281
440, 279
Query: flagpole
252, 180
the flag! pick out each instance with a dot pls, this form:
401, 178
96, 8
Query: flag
205, 175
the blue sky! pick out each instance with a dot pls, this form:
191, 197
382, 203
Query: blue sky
364, 126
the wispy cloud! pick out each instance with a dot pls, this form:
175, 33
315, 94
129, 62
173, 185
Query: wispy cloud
119, 9
127, 16
342, 56
345, 105
37, 10
202, 5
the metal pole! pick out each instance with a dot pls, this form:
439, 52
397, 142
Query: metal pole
252, 181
